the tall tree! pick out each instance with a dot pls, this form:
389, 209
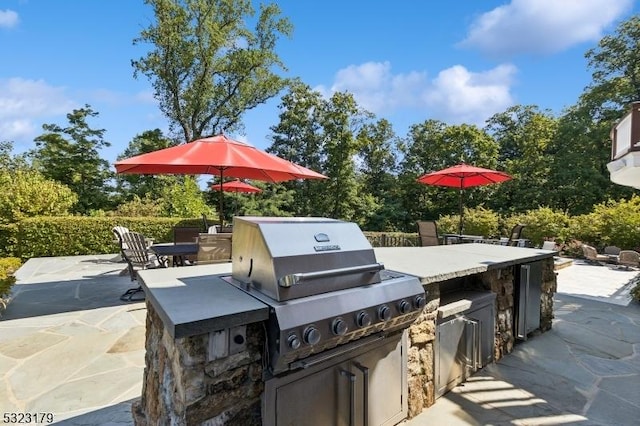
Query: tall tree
70, 155
342, 120
615, 65
132, 185
206, 66
378, 172
298, 138
582, 147
523, 134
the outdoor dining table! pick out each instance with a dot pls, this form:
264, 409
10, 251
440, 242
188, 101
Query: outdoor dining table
461, 238
177, 251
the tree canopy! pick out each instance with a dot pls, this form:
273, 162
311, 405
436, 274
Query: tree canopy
207, 67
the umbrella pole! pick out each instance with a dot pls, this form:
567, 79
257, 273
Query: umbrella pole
461, 212
221, 196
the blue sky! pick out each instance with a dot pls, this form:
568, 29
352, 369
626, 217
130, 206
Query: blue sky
405, 61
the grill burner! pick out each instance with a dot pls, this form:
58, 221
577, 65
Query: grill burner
323, 285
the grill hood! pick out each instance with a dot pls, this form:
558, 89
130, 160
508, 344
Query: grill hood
287, 258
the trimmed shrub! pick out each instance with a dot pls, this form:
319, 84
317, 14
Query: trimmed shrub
477, 221
74, 235
612, 223
541, 225
8, 266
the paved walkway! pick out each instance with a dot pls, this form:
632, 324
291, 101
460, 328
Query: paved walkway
68, 346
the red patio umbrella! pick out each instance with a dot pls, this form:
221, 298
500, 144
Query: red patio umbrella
237, 186
220, 156
463, 176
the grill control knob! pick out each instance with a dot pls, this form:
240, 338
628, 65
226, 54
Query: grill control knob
363, 319
293, 341
419, 301
339, 327
311, 335
404, 307
384, 313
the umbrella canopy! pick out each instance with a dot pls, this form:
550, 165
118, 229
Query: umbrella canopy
237, 186
463, 176
220, 156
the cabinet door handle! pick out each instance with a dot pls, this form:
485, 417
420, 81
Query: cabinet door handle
352, 395
476, 344
365, 393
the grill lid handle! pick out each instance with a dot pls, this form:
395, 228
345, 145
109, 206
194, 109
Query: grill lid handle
300, 277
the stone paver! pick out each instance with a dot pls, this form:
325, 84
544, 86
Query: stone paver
72, 348
69, 346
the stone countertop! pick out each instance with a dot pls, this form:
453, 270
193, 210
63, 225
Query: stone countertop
195, 300
440, 263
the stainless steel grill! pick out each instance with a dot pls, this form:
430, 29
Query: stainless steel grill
323, 284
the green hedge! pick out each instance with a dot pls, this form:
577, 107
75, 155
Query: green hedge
74, 235
8, 266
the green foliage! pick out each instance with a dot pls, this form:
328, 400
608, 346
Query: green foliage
128, 185
8, 266
610, 223
139, 207
541, 224
477, 221
523, 134
70, 155
27, 193
206, 66
74, 235
184, 200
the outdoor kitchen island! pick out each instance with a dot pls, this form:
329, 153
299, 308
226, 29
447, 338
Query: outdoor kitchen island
206, 338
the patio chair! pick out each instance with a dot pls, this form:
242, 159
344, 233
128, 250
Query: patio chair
205, 223
591, 255
118, 232
186, 234
138, 257
629, 259
428, 233
214, 248
549, 245
516, 235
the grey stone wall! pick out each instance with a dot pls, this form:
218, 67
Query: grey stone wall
181, 387
420, 364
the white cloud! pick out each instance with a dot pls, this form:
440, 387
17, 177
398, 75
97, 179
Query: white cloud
24, 101
376, 88
460, 96
455, 96
8, 18
542, 26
